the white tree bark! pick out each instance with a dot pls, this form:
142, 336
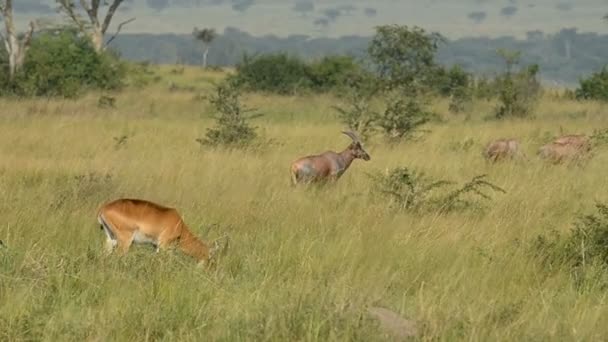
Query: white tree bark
205, 54
15, 47
95, 29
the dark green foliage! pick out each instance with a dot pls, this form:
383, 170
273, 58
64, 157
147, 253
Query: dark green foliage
455, 83
595, 87
404, 56
333, 71
232, 128
65, 64
278, 73
283, 74
518, 91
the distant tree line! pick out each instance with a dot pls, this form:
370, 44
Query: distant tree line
563, 57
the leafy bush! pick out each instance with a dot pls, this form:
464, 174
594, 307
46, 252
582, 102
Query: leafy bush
405, 112
65, 64
356, 112
283, 74
333, 71
405, 188
404, 56
518, 92
277, 73
595, 87
233, 128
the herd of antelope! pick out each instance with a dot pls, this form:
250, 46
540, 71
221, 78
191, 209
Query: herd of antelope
128, 221
567, 147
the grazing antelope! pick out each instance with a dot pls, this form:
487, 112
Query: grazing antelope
328, 166
567, 147
557, 153
502, 149
578, 140
128, 221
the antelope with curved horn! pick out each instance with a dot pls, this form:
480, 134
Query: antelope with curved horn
127, 221
328, 166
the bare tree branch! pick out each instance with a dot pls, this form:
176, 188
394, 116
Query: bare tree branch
109, 15
27, 40
68, 8
118, 30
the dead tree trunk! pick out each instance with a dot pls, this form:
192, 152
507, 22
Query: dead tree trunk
95, 29
16, 48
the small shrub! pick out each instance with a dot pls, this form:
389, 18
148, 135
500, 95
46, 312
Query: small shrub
405, 188
409, 189
595, 87
357, 112
106, 101
485, 88
457, 198
405, 112
140, 75
518, 92
232, 128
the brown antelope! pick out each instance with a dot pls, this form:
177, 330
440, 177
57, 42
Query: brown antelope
502, 149
567, 147
128, 221
328, 166
578, 140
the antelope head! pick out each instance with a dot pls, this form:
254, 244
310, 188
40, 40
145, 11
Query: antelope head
356, 147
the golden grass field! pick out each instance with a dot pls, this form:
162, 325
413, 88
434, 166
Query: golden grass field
302, 264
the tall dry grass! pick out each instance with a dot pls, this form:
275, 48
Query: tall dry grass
303, 264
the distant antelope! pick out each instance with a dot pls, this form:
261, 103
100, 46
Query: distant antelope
567, 147
328, 166
128, 221
578, 140
502, 149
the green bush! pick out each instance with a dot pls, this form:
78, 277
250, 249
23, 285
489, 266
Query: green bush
64, 64
278, 73
595, 87
455, 83
405, 111
333, 71
232, 128
283, 74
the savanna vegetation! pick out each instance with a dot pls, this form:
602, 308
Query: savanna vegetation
466, 249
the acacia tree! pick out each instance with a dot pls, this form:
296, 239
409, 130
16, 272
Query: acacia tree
95, 29
206, 36
404, 56
16, 46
